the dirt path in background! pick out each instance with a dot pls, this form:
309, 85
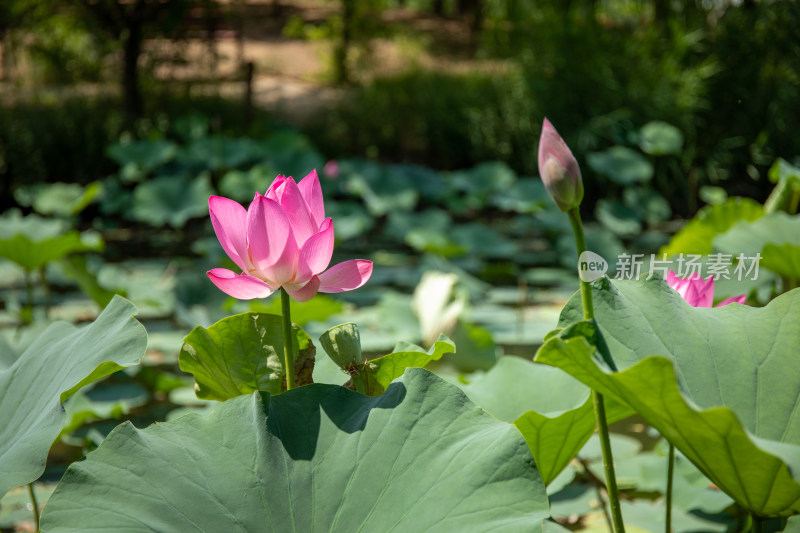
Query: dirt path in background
291, 76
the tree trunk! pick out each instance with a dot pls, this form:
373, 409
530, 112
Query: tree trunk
661, 12
132, 96
341, 52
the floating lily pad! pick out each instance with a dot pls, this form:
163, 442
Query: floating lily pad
60, 199
33, 241
420, 457
526, 196
717, 382
140, 158
216, 153
618, 218
350, 219
382, 191
621, 165
242, 185
290, 153
648, 204
660, 138
171, 200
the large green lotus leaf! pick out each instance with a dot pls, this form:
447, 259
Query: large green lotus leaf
382, 190
420, 457
60, 361
33, 241
660, 138
552, 410
76, 268
720, 383
217, 153
290, 153
240, 354
775, 236
33, 255
171, 200
318, 309
618, 218
782, 259
59, 199
697, 235
139, 158
405, 355
526, 196
621, 164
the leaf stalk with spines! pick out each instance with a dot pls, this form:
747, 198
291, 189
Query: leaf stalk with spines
597, 398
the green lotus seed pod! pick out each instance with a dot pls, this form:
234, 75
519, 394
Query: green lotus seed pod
342, 343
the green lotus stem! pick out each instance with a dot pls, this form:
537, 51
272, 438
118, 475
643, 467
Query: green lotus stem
670, 476
597, 398
35, 504
47, 293
358, 381
794, 202
288, 359
580, 243
758, 524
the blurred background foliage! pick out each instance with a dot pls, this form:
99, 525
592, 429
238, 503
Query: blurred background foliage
444, 83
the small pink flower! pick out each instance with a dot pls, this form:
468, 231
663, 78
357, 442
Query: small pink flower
697, 292
282, 240
331, 169
559, 169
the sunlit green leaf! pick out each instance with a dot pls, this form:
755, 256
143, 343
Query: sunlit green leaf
239, 355
552, 410
697, 235
33, 241
61, 360
60, 199
421, 457
776, 236
391, 366
717, 382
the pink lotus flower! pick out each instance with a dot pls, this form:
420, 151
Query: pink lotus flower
698, 293
282, 240
559, 169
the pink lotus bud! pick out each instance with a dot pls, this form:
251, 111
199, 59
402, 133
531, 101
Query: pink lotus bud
559, 169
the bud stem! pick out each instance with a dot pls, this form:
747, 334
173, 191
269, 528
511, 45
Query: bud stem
599, 403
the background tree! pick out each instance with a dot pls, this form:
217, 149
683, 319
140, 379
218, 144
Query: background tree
128, 22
